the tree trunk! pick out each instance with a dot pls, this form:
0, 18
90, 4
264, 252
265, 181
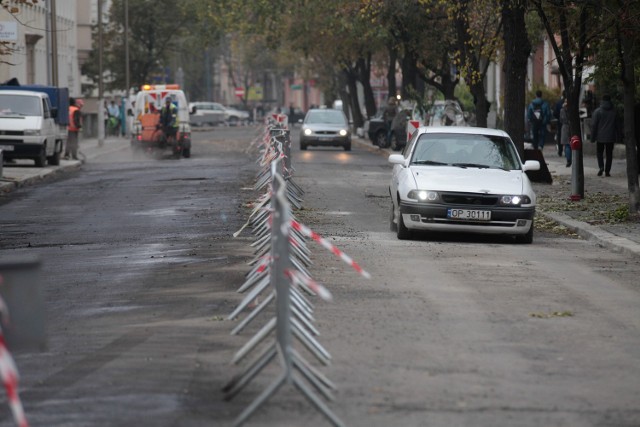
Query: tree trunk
628, 82
517, 49
352, 86
391, 73
409, 75
482, 106
364, 75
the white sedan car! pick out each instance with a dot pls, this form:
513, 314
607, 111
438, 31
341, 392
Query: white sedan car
462, 179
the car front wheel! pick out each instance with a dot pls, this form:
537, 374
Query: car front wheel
402, 231
41, 160
392, 217
526, 238
380, 140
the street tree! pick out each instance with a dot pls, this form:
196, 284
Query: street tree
155, 30
478, 26
517, 49
572, 27
617, 54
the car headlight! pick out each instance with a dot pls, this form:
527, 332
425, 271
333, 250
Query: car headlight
32, 132
307, 131
508, 200
343, 132
423, 195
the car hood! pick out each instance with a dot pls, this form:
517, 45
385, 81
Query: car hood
20, 123
325, 126
469, 180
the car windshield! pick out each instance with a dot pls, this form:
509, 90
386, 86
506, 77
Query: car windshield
465, 151
19, 105
333, 117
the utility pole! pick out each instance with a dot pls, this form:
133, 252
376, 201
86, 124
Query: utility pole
126, 63
100, 80
54, 44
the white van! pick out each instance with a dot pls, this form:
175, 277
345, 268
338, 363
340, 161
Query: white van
148, 103
28, 129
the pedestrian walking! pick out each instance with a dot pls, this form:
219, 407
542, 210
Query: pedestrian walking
565, 130
74, 128
113, 122
604, 132
539, 117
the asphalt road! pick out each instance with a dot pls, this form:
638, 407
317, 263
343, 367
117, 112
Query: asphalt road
141, 271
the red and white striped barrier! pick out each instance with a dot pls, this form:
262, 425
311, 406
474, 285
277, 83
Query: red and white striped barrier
327, 245
299, 278
9, 374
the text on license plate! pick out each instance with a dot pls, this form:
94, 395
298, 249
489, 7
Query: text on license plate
6, 147
469, 214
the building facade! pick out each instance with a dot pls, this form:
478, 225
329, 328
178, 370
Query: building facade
40, 44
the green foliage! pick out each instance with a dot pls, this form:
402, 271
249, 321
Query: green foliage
551, 95
465, 98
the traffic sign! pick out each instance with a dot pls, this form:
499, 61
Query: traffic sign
239, 92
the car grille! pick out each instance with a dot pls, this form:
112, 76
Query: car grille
470, 199
326, 132
11, 132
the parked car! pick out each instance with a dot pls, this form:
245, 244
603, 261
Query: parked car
445, 113
462, 179
324, 126
234, 116
214, 113
207, 113
376, 130
30, 127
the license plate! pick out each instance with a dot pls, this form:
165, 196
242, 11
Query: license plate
469, 214
6, 147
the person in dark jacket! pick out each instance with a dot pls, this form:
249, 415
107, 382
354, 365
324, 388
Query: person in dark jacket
539, 116
604, 132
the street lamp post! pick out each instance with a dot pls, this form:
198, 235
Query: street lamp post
100, 78
126, 62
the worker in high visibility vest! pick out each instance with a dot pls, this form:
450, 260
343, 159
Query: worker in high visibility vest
74, 128
169, 118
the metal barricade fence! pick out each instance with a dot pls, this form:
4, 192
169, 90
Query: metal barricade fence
280, 275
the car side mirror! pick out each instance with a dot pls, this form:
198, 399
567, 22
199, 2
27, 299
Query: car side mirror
397, 159
531, 165
54, 113
194, 110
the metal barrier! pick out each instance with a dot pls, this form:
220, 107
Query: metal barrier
22, 326
280, 273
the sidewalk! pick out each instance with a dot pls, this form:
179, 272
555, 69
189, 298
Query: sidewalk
623, 237
23, 172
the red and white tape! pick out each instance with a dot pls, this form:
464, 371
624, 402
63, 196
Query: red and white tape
298, 278
327, 245
9, 374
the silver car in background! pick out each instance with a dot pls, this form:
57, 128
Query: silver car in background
325, 127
